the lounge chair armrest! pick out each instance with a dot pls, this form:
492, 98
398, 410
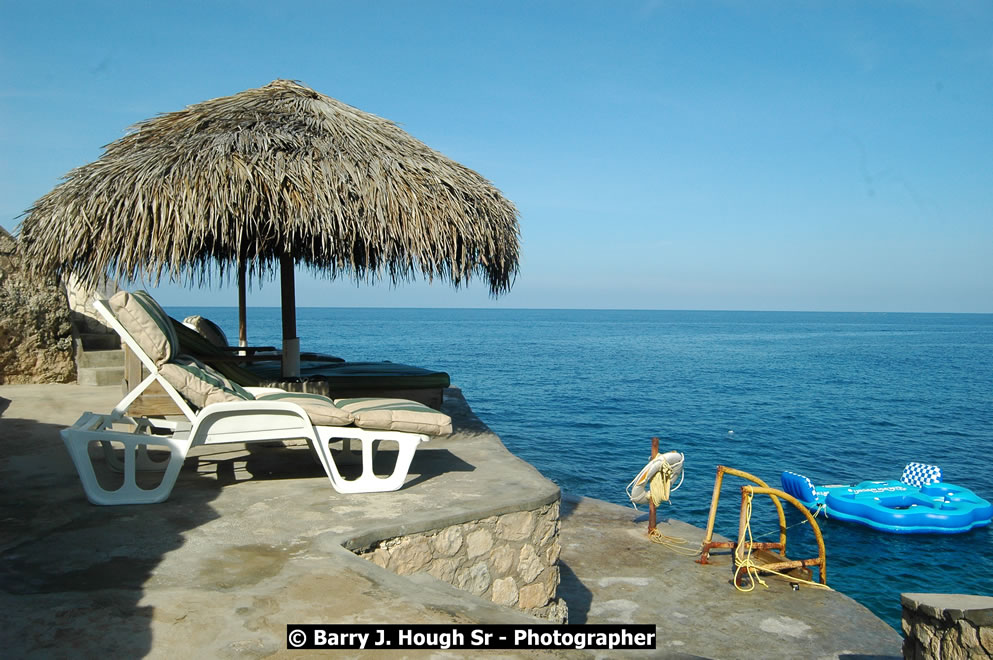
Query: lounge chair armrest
214, 357
248, 349
262, 391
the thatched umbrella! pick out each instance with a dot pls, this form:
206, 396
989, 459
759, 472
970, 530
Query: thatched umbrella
269, 177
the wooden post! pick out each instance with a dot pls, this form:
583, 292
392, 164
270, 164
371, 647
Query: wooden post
242, 304
291, 345
287, 296
132, 369
651, 503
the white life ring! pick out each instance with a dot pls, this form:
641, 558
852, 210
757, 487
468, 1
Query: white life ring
638, 490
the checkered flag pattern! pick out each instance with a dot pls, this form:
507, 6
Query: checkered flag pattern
921, 474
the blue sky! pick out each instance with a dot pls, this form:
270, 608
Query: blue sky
663, 155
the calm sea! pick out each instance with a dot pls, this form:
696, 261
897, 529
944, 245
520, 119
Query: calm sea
839, 397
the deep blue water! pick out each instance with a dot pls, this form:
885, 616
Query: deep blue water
836, 396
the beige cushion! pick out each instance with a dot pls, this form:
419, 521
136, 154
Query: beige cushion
396, 415
207, 329
321, 410
150, 326
201, 385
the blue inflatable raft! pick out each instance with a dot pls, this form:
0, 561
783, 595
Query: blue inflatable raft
919, 503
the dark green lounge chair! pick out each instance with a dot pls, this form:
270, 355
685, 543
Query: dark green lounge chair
326, 375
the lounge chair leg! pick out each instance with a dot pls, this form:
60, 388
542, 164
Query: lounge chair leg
350, 456
93, 428
368, 482
405, 455
319, 446
144, 460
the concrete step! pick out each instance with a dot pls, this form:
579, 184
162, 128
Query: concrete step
92, 341
87, 359
100, 375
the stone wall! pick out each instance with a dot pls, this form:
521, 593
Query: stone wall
85, 317
35, 331
947, 626
511, 559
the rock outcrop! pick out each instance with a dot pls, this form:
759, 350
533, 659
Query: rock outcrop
36, 343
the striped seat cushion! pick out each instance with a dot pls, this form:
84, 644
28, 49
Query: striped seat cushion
147, 323
321, 410
207, 329
200, 384
396, 415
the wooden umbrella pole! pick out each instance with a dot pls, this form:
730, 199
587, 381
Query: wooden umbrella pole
291, 345
242, 304
651, 503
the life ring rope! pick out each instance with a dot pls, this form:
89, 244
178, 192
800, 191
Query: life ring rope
654, 481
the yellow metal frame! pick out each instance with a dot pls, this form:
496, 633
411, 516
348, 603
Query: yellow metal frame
741, 547
787, 564
708, 539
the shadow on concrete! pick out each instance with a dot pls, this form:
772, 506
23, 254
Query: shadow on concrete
76, 572
575, 594
431, 463
4, 404
298, 462
642, 516
567, 505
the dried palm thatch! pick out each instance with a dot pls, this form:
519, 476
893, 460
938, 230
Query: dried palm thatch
265, 175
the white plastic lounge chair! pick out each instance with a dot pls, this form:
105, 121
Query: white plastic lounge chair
218, 411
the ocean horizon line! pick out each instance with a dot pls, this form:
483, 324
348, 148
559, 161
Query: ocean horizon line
595, 309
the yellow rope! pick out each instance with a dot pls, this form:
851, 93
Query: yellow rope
661, 484
746, 563
674, 543
751, 567
660, 488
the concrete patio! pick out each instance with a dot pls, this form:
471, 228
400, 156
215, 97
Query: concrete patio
254, 539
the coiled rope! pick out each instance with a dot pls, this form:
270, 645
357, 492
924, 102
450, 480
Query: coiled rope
661, 484
660, 487
675, 543
749, 565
